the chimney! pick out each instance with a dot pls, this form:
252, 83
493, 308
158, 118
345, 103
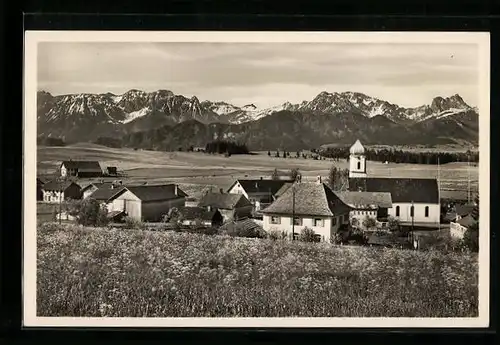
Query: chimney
175, 190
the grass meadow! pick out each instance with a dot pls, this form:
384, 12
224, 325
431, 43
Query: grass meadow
138, 273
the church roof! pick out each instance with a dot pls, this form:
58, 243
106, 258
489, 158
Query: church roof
357, 148
406, 190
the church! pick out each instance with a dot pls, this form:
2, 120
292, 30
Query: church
412, 200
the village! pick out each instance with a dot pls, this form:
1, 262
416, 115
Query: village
375, 211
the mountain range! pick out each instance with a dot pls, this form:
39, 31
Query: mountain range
166, 121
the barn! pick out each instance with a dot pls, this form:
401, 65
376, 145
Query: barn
81, 168
147, 202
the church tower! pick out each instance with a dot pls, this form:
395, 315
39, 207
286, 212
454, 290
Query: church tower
357, 160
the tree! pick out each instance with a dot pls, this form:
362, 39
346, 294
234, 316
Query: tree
332, 176
269, 153
277, 153
275, 175
393, 223
307, 235
471, 235
89, 212
369, 223
294, 173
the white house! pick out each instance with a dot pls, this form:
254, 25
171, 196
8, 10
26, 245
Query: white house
60, 191
367, 204
460, 226
312, 205
414, 200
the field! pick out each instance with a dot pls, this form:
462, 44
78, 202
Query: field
110, 272
193, 169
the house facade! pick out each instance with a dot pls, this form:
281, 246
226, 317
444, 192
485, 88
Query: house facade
200, 216
414, 200
81, 169
460, 226
232, 206
311, 205
60, 191
373, 205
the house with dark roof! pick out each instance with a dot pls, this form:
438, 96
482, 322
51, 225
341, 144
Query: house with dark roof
40, 181
90, 188
312, 205
59, 191
367, 204
232, 206
146, 202
190, 215
414, 200
259, 192
459, 227
80, 168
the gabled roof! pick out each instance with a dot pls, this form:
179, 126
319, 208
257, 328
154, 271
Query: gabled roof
97, 185
466, 221
283, 189
313, 199
243, 225
82, 165
366, 199
226, 201
418, 190
156, 192
193, 213
58, 185
106, 193
261, 186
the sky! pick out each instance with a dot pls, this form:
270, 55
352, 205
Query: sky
265, 74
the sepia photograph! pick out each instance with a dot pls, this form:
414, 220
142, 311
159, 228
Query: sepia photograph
250, 179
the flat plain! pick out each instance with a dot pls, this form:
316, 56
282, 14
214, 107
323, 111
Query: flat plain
195, 170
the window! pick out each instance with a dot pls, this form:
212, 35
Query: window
412, 211
359, 165
397, 211
318, 222
275, 220
297, 221
334, 221
427, 211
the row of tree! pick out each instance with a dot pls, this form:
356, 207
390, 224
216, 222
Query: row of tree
226, 147
49, 141
400, 156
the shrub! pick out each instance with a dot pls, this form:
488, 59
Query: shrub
336, 238
88, 212
133, 223
393, 224
307, 235
369, 222
471, 238
276, 235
